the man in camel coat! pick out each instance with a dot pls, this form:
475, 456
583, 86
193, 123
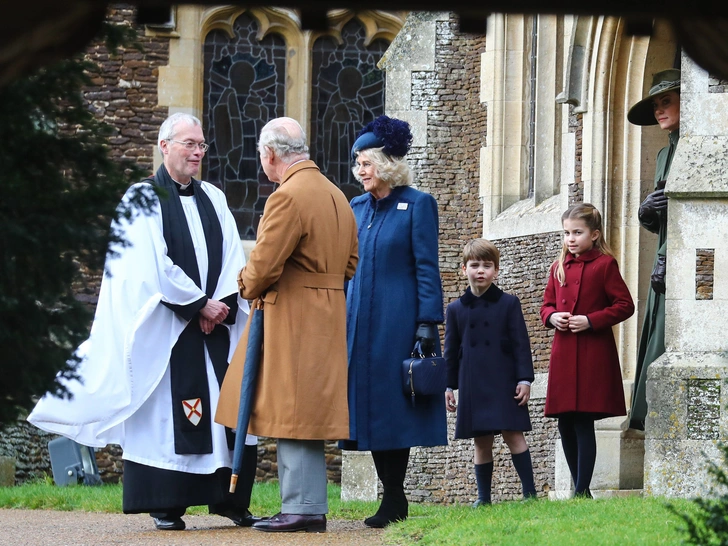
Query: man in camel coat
305, 250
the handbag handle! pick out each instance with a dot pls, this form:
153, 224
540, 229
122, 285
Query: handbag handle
417, 352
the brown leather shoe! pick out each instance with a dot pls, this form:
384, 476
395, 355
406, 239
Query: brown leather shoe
242, 518
290, 523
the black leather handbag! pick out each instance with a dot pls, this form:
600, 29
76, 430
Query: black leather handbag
423, 375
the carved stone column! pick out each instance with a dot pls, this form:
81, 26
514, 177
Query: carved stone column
686, 387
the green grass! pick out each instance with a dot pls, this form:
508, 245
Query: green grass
44, 495
633, 520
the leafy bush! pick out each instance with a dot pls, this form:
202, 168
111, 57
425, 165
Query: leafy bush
60, 191
707, 524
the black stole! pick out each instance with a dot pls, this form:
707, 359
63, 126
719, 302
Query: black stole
188, 372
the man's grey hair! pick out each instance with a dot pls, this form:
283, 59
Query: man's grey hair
286, 138
166, 131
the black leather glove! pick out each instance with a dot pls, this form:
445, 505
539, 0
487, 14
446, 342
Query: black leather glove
650, 209
426, 334
657, 279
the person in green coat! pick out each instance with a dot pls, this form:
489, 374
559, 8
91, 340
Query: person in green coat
660, 107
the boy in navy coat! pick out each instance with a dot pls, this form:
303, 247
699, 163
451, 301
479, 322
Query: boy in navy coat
489, 361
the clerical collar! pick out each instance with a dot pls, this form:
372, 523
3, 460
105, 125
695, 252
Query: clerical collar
183, 189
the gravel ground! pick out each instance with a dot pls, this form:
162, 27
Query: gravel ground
52, 528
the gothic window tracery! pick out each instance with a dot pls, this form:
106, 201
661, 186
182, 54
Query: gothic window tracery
244, 88
259, 64
347, 93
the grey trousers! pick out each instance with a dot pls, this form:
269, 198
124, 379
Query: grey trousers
302, 476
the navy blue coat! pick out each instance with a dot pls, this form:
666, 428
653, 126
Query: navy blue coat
396, 285
487, 352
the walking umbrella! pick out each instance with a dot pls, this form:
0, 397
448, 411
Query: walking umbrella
247, 388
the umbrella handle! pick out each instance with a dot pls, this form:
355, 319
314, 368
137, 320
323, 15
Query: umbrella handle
233, 482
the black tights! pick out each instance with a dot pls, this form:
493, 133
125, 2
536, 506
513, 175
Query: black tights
580, 448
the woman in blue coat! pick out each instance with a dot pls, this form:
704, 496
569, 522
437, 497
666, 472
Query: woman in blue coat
394, 299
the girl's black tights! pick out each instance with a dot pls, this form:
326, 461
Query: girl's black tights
580, 448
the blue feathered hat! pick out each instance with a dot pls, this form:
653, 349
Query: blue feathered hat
392, 134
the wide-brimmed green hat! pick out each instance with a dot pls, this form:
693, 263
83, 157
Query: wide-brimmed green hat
643, 113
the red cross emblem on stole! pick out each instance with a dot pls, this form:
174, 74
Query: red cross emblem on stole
193, 410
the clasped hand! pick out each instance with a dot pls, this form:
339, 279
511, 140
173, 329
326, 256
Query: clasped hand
212, 314
564, 321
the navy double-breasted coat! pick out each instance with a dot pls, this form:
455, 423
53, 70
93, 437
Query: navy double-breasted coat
397, 285
584, 371
488, 352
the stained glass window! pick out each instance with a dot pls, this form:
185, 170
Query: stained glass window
347, 93
244, 88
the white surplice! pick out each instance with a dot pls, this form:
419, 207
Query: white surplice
124, 396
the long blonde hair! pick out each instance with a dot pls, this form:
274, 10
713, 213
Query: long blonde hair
593, 220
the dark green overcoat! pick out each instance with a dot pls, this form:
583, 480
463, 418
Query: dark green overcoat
652, 339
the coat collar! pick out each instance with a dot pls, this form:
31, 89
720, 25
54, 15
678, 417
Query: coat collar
590, 256
492, 295
301, 165
674, 137
392, 198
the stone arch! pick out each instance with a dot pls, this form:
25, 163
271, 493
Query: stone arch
617, 157
377, 25
180, 82
634, 153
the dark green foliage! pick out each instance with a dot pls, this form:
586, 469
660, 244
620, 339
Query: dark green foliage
707, 523
59, 193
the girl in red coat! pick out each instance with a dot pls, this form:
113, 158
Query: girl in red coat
585, 296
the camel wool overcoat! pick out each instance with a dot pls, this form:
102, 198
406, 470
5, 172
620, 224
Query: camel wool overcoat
306, 248
584, 371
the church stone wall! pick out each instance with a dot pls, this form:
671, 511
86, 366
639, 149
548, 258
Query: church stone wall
124, 92
449, 169
576, 125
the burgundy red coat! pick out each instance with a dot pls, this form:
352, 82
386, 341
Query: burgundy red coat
584, 371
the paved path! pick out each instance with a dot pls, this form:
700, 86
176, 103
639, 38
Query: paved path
52, 528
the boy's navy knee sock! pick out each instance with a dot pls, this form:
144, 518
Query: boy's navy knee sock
483, 478
524, 467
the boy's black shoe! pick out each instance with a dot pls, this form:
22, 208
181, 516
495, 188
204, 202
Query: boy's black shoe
169, 524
